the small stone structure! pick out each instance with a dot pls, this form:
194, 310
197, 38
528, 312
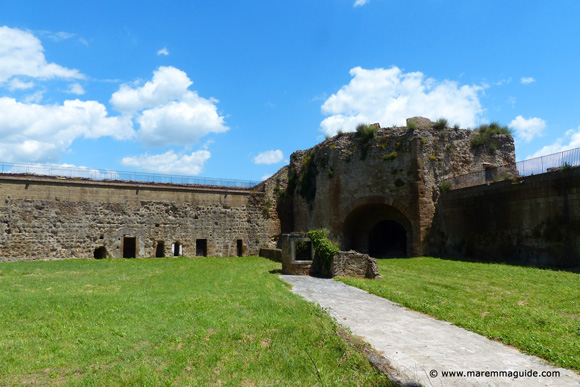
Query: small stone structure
297, 253
354, 264
298, 258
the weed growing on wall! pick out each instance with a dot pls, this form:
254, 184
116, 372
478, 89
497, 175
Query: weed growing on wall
440, 124
485, 136
391, 156
365, 134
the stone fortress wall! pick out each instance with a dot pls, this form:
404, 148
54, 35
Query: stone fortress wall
369, 191
383, 195
44, 218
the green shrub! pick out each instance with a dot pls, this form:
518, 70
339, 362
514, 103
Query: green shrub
366, 132
566, 167
440, 124
412, 125
324, 249
485, 133
456, 127
330, 173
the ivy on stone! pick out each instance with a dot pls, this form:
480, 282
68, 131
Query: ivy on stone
323, 248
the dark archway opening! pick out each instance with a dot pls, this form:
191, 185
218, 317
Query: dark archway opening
378, 229
129, 247
201, 247
160, 249
240, 247
100, 252
388, 239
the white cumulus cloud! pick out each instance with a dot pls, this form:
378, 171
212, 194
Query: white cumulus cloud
168, 84
527, 128
269, 157
527, 80
76, 88
169, 162
17, 84
570, 140
41, 133
22, 54
358, 3
167, 111
164, 51
389, 96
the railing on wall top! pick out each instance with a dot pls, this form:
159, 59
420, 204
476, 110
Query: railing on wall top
107, 174
546, 163
534, 166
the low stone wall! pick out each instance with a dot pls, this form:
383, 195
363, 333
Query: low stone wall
354, 264
272, 254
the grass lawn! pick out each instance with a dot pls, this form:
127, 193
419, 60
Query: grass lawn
169, 321
535, 310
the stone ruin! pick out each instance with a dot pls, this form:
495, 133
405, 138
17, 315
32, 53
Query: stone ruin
299, 258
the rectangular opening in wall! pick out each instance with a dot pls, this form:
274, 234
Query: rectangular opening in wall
303, 251
240, 247
201, 247
490, 173
177, 249
129, 247
160, 249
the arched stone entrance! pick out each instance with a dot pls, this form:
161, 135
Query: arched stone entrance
387, 239
379, 230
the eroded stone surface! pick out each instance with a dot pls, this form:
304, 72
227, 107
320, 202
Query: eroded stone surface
354, 264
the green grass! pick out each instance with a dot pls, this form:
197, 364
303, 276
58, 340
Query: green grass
535, 310
172, 321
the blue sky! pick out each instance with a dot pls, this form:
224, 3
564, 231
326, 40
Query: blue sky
231, 88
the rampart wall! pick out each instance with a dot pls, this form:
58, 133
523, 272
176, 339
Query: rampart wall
535, 219
49, 218
349, 184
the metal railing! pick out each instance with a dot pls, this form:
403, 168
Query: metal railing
535, 166
107, 174
546, 163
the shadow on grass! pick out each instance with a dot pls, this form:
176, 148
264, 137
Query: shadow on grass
575, 269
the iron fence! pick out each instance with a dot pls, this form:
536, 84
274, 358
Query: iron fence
107, 174
534, 166
550, 162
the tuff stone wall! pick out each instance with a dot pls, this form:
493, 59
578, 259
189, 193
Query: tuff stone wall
348, 184
48, 218
535, 219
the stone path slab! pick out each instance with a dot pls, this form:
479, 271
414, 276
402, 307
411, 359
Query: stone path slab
421, 347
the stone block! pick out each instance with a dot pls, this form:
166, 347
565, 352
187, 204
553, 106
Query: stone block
355, 264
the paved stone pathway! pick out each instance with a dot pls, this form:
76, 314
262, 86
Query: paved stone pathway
421, 347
